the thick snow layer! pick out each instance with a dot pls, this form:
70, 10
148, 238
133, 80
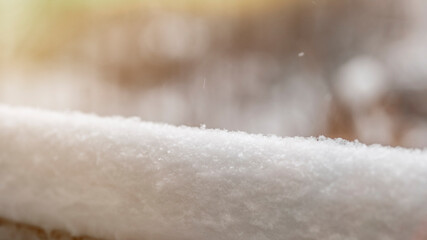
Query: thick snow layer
118, 178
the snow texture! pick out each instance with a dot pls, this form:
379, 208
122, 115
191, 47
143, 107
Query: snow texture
117, 178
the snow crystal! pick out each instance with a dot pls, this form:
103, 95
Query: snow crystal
117, 178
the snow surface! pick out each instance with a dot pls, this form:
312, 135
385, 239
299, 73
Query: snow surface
117, 178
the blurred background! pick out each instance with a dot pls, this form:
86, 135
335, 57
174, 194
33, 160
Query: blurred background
355, 69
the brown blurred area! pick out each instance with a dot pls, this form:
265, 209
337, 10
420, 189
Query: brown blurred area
351, 69
20, 231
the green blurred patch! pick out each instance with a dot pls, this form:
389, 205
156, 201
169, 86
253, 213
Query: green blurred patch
39, 30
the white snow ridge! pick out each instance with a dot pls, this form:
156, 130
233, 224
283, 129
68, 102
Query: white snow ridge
116, 178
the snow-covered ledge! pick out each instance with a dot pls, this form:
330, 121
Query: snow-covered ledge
116, 178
